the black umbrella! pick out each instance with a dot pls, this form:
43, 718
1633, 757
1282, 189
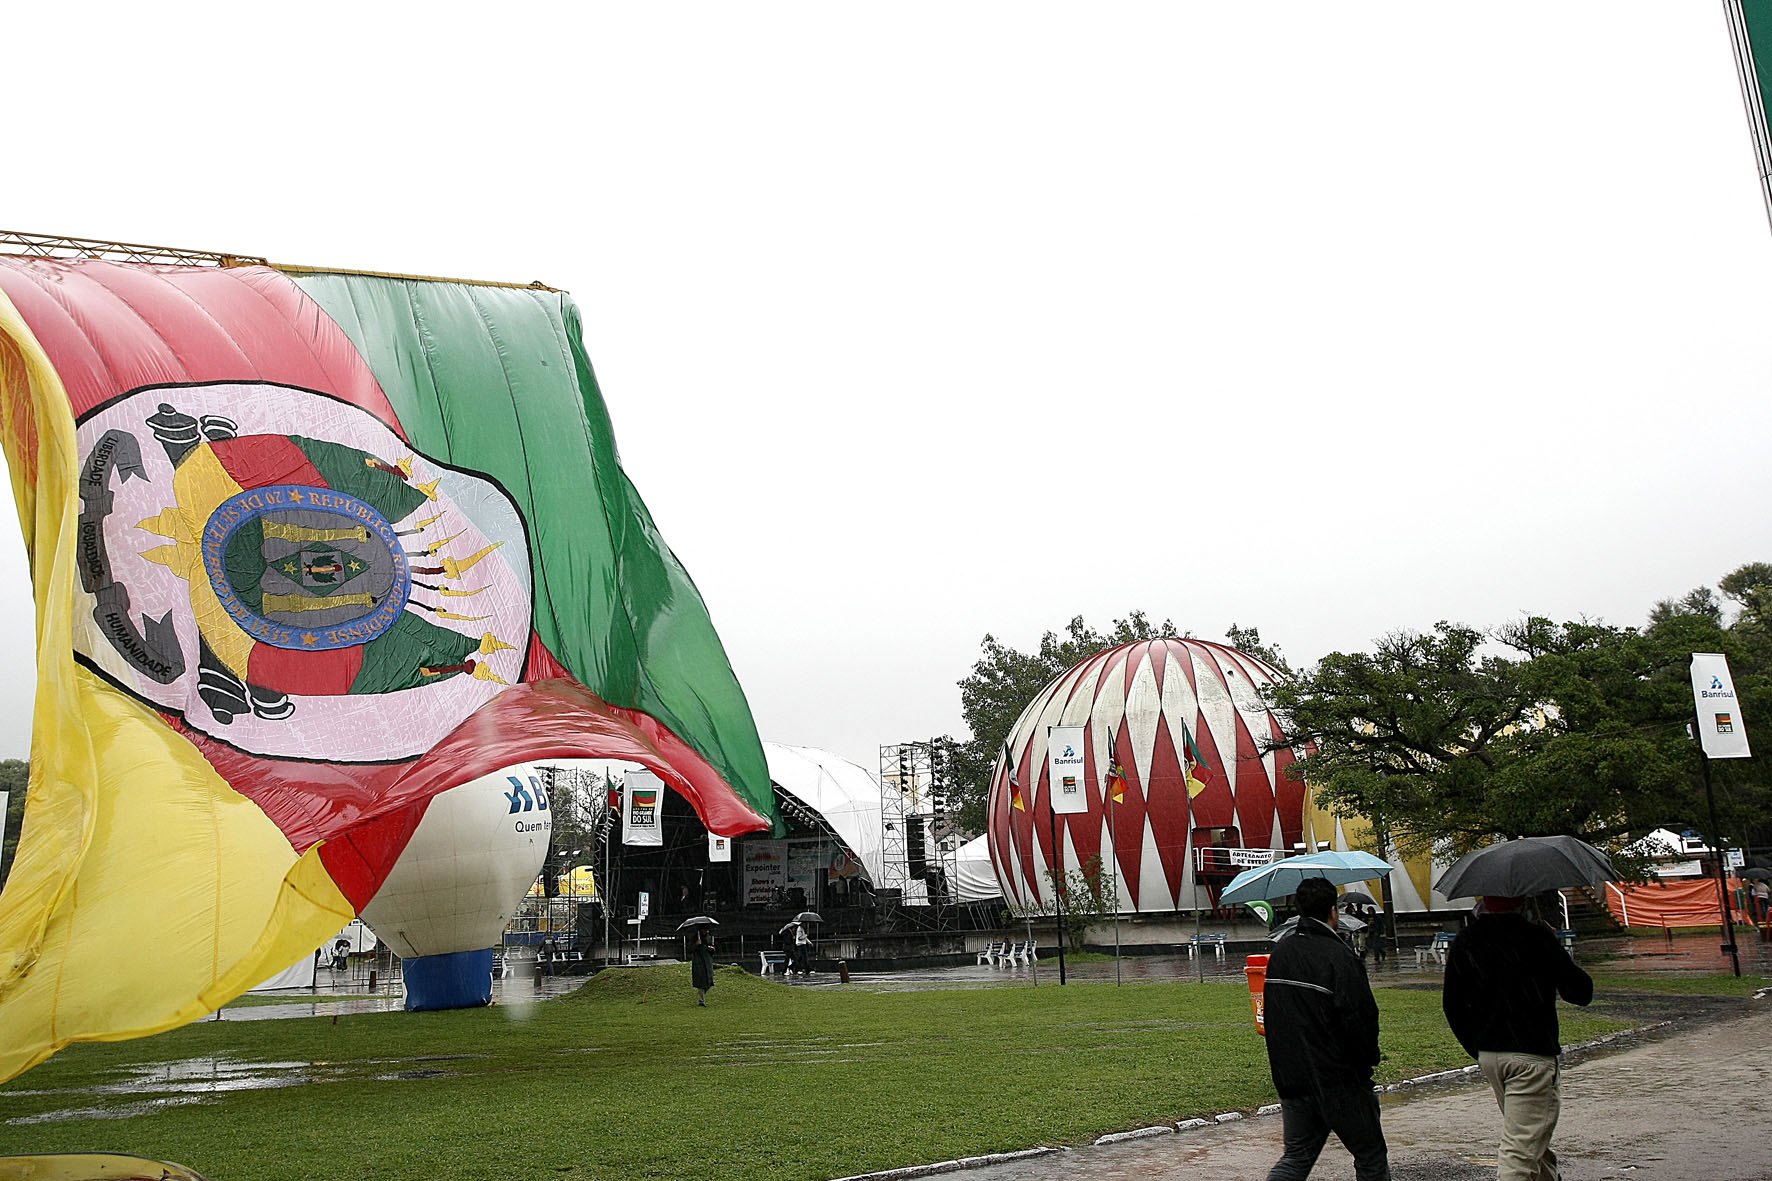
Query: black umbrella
700, 920
808, 916
1758, 875
1356, 898
1530, 865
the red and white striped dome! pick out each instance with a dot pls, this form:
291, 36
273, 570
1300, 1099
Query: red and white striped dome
1143, 698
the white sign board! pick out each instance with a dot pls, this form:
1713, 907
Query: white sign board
1249, 858
765, 870
719, 848
642, 814
1064, 770
1720, 727
645, 907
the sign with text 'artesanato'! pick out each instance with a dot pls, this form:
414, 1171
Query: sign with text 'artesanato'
1720, 727
1064, 769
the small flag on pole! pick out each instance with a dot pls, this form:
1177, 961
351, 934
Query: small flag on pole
1116, 780
1014, 786
1191, 761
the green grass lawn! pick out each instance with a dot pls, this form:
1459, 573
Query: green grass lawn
628, 1078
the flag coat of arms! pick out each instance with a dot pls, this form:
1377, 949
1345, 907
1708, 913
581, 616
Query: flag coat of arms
307, 549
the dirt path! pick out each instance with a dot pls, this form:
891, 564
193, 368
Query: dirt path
1692, 1102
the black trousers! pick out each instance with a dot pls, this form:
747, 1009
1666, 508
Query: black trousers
1350, 1110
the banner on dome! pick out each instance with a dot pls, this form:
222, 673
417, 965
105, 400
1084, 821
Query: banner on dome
1064, 770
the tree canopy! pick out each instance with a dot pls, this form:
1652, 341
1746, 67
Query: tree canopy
1536, 728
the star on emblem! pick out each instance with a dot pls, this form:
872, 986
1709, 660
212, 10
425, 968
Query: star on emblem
355, 565
295, 496
289, 568
307, 639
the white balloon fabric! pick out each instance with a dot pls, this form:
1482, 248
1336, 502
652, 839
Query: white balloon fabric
470, 861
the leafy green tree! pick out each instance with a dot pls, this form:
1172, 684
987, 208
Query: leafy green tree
1248, 640
1536, 728
15, 775
1002, 683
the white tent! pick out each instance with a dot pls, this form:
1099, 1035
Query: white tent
978, 880
845, 794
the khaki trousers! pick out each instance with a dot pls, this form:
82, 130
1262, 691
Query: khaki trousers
1526, 1090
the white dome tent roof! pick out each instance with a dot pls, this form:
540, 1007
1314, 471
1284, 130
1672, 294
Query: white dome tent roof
844, 793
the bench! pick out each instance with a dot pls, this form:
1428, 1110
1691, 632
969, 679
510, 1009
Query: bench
773, 960
993, 951
1215, 940
1019, 953
1435, 950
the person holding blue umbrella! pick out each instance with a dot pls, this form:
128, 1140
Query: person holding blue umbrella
1322, 1042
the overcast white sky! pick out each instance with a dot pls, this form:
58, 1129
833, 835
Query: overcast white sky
922, 321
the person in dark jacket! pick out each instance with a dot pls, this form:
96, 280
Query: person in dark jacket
701, 965
1503, 976
1322, 1043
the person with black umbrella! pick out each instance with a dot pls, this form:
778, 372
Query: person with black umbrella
1503, 976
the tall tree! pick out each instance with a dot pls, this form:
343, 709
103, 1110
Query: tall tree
1534, 728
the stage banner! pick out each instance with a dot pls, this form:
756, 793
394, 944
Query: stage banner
642, 809
765, 871
1064, 770
806, 864
719, 848
1720, 727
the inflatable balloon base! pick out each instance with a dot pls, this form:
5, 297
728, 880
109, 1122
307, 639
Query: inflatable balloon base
458, 980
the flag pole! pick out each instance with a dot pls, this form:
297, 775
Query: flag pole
1114, 855
1057, 892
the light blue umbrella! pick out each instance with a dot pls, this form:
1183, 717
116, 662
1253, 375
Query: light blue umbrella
1280, 878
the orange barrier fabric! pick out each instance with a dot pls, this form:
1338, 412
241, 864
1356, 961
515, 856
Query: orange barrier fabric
1688, 902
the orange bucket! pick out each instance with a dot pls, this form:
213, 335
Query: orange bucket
1255, 967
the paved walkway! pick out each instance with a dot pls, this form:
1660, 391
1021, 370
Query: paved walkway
1695, 1105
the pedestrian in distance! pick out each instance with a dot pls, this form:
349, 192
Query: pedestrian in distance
701, 965
1504, 974
1322, 1043
802, 950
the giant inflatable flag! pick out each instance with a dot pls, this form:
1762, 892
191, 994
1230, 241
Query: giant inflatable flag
308, 549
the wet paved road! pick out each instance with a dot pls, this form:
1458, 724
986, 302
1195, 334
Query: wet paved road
1692, 1106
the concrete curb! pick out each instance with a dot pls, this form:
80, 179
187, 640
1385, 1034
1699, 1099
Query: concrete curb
1134, 1134
949, 1166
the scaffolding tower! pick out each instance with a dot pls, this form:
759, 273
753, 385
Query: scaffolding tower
920, 844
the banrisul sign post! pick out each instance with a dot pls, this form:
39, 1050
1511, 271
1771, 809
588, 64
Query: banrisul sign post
1066, 796
1064, 765
1721, 730
1722, 734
